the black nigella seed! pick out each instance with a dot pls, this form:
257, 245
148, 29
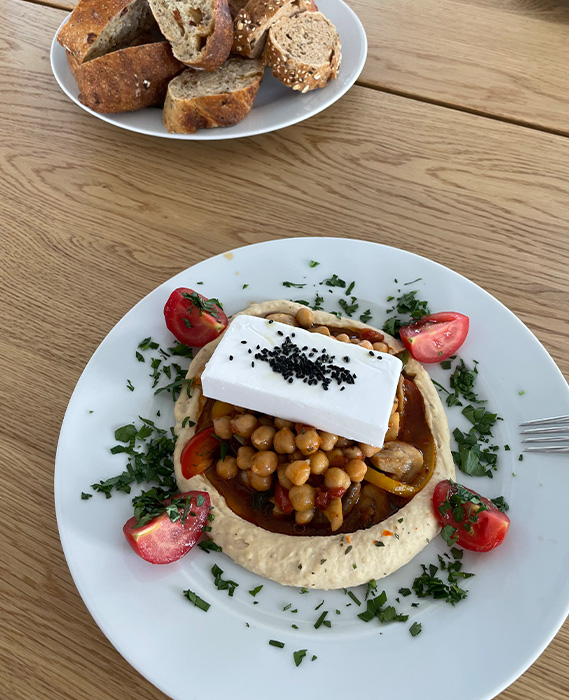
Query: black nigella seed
230, 358
252, 364
346, 358
258, 347
243, 342
249, 351
342, 388
290, 380
370, 353
379, 357
271, 320
280, 333
293, 335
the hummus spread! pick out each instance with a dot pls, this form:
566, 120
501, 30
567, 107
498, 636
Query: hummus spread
321, 561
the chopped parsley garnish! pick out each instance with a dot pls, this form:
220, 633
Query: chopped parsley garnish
129, 385
366, 316
353, 596
415, 629
335, 281
313, 263
86, 496
408, 305
147, 344
292, 284
299, 655
404, 592
255, 590
428, 585
500, 503
276, 643
221, 584
375, 609
322, 621
349, 289
196, 600
209, 546
210, 306
349, 309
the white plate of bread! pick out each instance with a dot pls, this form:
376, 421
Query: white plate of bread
207, 69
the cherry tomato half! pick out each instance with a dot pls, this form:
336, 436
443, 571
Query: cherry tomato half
161, 540
479, 525
192, 318
199, 452
434, 338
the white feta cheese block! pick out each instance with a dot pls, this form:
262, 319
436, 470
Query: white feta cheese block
304, 377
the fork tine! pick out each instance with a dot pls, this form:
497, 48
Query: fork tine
545, 430
551, 448
546, 421
560, 438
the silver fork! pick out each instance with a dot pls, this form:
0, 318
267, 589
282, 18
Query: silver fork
546, 434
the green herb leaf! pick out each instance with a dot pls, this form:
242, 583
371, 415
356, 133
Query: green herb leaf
298, 656
415, 629
196, 600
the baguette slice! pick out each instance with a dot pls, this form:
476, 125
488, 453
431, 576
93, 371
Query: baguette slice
97, 27
304, 51
127, 79
254, 20
200, 31
198, 100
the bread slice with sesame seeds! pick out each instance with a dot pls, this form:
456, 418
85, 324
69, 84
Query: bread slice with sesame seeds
127, 79
200, 100
254, 21
304, 51
200, 31
235, 6
97, 27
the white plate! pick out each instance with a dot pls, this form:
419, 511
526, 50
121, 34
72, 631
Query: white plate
518, 598
276, 106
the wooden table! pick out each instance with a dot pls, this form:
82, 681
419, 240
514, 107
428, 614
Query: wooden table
452, 145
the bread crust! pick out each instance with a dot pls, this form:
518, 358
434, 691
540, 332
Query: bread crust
127, 79
297, 74
186, 116
218, 42
254, 21
87, 21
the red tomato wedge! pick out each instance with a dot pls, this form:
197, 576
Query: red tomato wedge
199, 452
282, 499
162, 541
436, 337
478, 524
194, 319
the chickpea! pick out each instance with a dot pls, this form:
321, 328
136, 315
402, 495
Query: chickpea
336, 457
328, 440
305, 317
283, 318
368, 450
284, 481
244, 455
334, 514
244, 425
343, 442
323, 330
220, 408
259, 483
318, 463
262, 437
296, 455
222, 427
343, 338
226, 468
393, 428
356, 469
353, 452
264, 463
304, 517
298, 472
365, 344
282, 423
283, 442
302, 497
308, 441
336, 478
381, 347
243, 477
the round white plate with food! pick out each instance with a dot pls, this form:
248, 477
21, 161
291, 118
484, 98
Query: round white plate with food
276, 105
257, 629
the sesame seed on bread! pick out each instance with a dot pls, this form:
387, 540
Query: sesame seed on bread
303, 51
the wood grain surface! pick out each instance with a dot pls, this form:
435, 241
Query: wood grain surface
93, 218
505, 58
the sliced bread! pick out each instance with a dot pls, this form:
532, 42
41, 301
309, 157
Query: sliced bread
200, 31
127, 79
200, 100
254, 20
97, 27
235, 6
304, 51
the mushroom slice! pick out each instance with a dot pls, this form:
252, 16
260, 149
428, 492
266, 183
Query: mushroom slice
400, 459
